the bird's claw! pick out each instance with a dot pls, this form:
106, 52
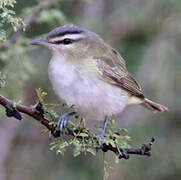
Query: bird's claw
62, 122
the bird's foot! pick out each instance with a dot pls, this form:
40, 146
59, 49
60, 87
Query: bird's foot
102, 133
101, 137
62, 122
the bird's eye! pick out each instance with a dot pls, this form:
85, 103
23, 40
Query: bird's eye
67, 41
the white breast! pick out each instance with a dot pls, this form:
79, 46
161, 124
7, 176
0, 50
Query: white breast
92, 97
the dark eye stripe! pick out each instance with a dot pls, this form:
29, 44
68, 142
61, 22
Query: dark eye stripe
66, 41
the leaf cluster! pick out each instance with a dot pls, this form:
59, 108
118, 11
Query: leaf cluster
83, 140
8, 16
15, 59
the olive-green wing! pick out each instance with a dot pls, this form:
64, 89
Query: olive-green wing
114, 71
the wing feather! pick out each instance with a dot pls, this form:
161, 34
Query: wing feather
117, 74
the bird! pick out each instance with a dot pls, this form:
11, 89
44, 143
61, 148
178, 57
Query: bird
91, 75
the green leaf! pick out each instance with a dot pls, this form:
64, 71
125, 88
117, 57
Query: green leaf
41, 95
92, 151
83, 134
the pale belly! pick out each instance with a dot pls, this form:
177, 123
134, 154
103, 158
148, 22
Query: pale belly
92, 97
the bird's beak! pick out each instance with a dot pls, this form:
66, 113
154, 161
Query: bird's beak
40, 42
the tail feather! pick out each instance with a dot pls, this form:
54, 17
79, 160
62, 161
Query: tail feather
154, 106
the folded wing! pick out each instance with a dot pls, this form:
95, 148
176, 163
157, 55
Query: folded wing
115, 72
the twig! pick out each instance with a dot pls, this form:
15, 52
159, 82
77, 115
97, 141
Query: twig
15, 110
29, 20
126, 152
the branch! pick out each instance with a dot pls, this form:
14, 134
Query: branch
145, 149
28, 21
15, 110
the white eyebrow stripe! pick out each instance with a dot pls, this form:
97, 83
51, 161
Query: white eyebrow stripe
69, 36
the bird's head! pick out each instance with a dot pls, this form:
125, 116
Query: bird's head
71, 40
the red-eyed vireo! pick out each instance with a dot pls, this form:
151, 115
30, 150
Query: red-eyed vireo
90, 74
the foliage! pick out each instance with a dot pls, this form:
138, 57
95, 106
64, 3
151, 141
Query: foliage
14, 60
85, 141
41, 95
8, 16
17, 69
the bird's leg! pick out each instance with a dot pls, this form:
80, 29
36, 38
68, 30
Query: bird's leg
62, 122
101, 134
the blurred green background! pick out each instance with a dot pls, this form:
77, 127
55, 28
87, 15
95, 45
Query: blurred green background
147, 33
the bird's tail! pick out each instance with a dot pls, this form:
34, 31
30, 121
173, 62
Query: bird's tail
154, 106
